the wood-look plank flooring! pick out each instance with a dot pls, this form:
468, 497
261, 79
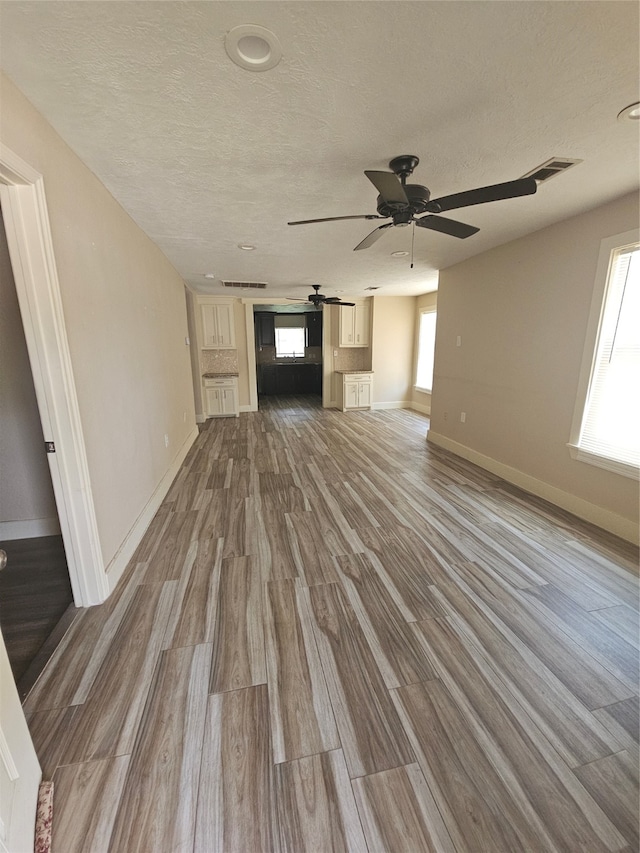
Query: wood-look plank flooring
335, 637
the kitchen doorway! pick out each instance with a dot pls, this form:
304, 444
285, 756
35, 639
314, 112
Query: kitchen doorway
288, 350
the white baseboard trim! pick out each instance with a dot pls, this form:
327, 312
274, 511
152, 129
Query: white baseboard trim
248, 408
200, 418
419, 407
398, 404
31, 528
617, 524
119, 562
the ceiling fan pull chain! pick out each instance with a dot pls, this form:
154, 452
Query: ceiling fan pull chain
413, 237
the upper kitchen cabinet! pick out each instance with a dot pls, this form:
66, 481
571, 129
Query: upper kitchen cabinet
314, 329
218, 328
265, 329
354, 324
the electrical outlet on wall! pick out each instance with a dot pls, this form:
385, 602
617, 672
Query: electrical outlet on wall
463, 417
166, 440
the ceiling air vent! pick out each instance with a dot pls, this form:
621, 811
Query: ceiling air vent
552, 167
246, 285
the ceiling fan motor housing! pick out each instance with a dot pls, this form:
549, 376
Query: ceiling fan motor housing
418, 200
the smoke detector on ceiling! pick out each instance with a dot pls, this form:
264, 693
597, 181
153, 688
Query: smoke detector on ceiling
551, 168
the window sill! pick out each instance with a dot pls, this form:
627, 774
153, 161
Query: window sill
623, 468
422, 390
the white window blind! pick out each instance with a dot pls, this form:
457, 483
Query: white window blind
426, 347
611, 420
290, 335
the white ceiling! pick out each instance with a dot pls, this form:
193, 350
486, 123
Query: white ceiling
205, 155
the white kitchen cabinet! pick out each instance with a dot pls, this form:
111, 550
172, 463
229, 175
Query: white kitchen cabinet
354, 325
218, 328
221, 398
355, 391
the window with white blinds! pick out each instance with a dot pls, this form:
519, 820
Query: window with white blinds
611, 419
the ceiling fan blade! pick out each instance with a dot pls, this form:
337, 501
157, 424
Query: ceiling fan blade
389, 187
482, 195
371, 238
330, 299
335, 219
295, 299
447, 226
349, 304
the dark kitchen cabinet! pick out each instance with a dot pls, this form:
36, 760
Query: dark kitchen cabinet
287, 379
265, 330
314, 329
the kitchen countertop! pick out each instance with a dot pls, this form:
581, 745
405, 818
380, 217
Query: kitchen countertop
353, 370
220, 374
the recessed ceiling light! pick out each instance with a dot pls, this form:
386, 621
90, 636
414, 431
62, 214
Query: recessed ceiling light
630, 113
246, 247
253, 48
399, 254
209, 275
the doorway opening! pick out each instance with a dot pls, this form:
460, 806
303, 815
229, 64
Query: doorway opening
288, 349
36, 599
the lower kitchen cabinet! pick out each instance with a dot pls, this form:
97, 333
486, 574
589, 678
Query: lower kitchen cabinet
221, 398
355, 391
290, 379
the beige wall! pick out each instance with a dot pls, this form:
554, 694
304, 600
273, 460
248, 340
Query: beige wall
26, 492
421, 400
393, 333
522, 310
126, 321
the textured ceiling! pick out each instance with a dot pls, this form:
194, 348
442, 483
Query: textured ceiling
204, 155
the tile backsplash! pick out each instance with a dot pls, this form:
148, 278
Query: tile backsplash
353, 358
219, 361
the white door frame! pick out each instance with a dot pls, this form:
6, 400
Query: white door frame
26, 221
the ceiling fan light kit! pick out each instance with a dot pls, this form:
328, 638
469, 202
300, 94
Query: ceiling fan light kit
404, 203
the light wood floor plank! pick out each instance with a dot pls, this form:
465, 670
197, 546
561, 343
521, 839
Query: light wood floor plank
107, 723
587, 679
236, 809
537, 777
622, 620
158, 803
302, 721
50, 732
194, 614
316, 808
85, 802
238, 643
311, 556
564, 720
371, 734
399, 658
406, 569
474, 800
603, 644
399, 813
168, 559
613, 783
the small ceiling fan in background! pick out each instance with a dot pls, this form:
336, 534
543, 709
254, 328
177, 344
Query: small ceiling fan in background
319, 299
402, 202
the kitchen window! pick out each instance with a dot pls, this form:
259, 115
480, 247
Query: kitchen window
426, 349
290, 335
607, 421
